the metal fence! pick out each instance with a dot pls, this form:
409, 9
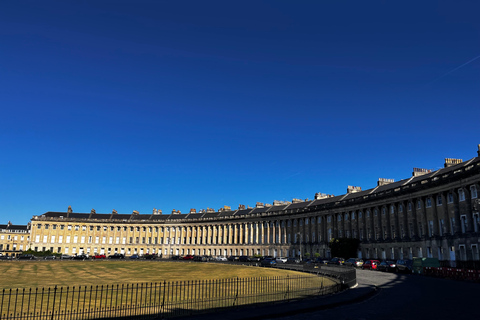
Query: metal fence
157, 300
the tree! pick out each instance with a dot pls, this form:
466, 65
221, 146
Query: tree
344, 247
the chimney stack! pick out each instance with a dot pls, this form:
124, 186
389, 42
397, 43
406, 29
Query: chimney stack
451, 162
353, 189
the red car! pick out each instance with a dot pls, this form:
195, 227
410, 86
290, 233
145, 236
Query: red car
99, 256
188, 257
371, 264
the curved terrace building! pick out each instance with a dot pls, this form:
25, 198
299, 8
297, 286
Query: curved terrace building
430, 214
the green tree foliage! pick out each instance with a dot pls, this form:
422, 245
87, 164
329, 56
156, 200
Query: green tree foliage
344, 247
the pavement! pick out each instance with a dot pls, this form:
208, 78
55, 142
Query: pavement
358, 293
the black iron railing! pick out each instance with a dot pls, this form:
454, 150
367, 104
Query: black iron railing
157, 300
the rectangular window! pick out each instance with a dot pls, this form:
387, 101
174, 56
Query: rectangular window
75, 239
104, 240
439, 200
450, 197
475, 252
124, 240
97, 240
60, 239
441, 227
77, 228
110, 240
117, 240
84, 228
476, 221
90, 239
82, 239
461, 195
52, 240
45, 240
452, 225
463, 223
430, 228
429, 202
473, 192
69, 227
68, 239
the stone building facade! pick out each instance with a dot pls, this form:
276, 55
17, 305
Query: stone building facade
14, 239
434, 213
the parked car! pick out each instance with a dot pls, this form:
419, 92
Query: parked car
52, 257
293, 260
99, 256
4, 257
321, 260
221, 258
243, 259
370, 265
281, 260
26, 257
134, 257
188, 257
116, 256
200, 258
233, 258
387, 265
404, 266
254, 259
80, 257
268, 262
354, 262
336, 261
65, 257
149, 256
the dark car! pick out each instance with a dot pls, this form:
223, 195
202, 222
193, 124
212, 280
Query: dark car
322, 260
293, 260
188, 257
80, 257
26, 257
404, 266
387, 265
370, 264
176, 258
200, 258
149, 256
243, 259
116, 256
3, 257
52, 257
134, 257
336, 261
233, 258
254, 259
268, 262
354, 262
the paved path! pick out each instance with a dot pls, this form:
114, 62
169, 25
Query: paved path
406, 297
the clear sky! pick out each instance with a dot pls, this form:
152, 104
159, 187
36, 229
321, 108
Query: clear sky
131, 105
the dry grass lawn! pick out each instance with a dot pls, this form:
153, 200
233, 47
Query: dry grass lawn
33, 274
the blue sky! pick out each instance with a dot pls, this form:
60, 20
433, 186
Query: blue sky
131, 105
